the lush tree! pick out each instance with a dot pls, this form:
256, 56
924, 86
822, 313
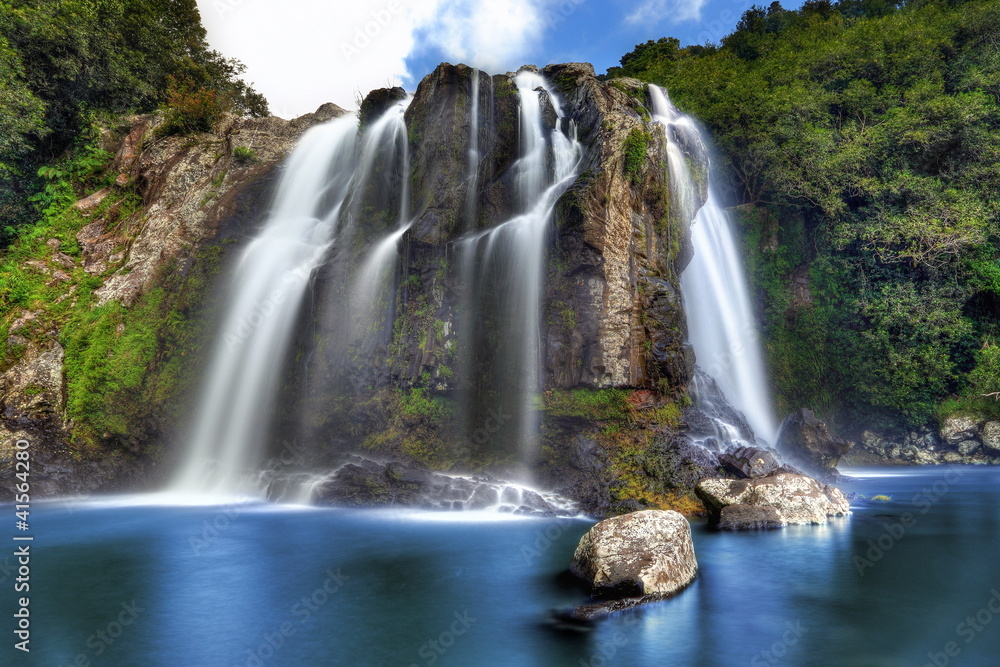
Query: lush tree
862, 140
61, 61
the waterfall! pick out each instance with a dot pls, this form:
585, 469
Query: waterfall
343, 208
504, 270
472, 194
267, 289
721, 322
372, 292
320, 199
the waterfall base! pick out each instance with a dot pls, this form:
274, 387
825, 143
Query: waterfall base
362, 482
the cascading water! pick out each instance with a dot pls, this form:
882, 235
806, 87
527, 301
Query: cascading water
339, 191
318, 201
506, 264
267, 289
371, 298
721, 322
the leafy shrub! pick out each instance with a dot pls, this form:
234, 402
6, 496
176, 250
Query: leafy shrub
190, 107
245, 155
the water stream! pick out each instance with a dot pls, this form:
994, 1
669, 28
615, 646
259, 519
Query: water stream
721, 322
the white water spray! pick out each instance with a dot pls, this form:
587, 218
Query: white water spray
519, 243
266, 292
721, 323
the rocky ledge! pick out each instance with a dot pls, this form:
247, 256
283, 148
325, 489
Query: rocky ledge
365, 483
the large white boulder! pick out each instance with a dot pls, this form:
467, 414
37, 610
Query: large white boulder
646, 553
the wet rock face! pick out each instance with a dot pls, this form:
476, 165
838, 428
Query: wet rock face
612, 313
619, 250
777, 500
646, 554
807, 442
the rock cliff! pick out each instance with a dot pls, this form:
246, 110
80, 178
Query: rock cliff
103, 380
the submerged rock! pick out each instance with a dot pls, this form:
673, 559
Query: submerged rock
788, 499
646, 555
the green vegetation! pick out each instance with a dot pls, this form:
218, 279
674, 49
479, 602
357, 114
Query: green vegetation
119, 361
245, 154
64, 63
636, 145
861, 141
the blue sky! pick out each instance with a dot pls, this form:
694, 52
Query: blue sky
302, 53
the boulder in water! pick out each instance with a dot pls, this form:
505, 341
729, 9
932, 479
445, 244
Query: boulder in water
749, 517
749, 462
806, 441
646, 554
794, 499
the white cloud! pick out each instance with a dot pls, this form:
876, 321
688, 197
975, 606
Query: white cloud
494, 36
302, 53
655, 11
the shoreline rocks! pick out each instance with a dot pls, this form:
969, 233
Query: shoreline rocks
962, 439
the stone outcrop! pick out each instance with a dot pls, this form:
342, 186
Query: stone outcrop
963, 439
991, 437
617, 253
806, 442
646, 555
189, 187
777, 500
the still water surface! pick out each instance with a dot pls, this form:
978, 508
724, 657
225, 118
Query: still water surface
127, 583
